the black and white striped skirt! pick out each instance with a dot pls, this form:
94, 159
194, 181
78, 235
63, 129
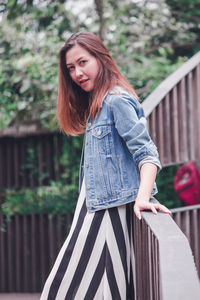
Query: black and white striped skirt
97, 259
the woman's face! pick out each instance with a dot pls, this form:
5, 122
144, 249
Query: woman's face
83, 67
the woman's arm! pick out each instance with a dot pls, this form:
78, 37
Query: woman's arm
148, 173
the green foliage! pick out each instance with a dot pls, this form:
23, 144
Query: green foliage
166, 193
28, 78
52, 199
146, 73
70, 160
143, 37
59, 196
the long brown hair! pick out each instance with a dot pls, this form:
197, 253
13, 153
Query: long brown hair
74, 104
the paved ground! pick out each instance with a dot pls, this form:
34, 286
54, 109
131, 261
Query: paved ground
19, 296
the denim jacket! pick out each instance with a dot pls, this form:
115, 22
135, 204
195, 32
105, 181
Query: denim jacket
116, 145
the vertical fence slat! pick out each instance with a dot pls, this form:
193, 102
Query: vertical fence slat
16, 164
18, 254
32, 162
137, 243
43, 245
49, 156
2, 164
58, 155
196, 93
33, 254
52, 239
194, 236
183, 120
186, 224
155, 268
160, 128
175, 131
26, 249
153, 264
150, 264
9, 165
152, 120
198, 242
190, 109
40, 160
24, 174
146, 261
3, 257
10, 247
58, 231
167, 132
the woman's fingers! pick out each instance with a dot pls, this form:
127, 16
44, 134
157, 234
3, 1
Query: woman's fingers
137, 212
161, 207
164, 209
151, 206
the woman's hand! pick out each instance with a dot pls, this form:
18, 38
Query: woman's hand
148, 173
143, 204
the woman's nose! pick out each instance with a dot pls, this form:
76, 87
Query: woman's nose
78, 72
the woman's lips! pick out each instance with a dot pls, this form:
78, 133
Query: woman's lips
83, 82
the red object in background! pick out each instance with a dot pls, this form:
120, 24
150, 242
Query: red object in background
187, 183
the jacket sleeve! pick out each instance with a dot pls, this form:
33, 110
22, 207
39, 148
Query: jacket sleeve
131, 125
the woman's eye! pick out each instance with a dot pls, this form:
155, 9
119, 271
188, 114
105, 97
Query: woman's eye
82, 62
71, 68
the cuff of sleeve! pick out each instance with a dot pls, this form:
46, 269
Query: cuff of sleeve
153, 160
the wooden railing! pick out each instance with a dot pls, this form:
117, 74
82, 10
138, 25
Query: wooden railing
173, 111
165, 266
188, 220
29, 245
164, 259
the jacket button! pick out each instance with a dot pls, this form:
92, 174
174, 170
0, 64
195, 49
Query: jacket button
86, 165
89, 124
88, 187
99, 132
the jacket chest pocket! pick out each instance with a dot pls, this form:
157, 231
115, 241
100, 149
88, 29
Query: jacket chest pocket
102, 139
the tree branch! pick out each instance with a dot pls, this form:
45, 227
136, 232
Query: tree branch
99, 10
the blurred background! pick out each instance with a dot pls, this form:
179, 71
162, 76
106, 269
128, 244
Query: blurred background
39, 166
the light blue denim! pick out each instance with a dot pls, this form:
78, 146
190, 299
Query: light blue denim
116, 145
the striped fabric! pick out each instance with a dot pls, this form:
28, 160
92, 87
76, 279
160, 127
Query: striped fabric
97, 259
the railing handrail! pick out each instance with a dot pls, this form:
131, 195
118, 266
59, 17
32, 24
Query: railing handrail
178, 274
164, 88
185, 208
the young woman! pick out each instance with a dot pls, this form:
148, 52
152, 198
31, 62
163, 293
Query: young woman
117, 175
